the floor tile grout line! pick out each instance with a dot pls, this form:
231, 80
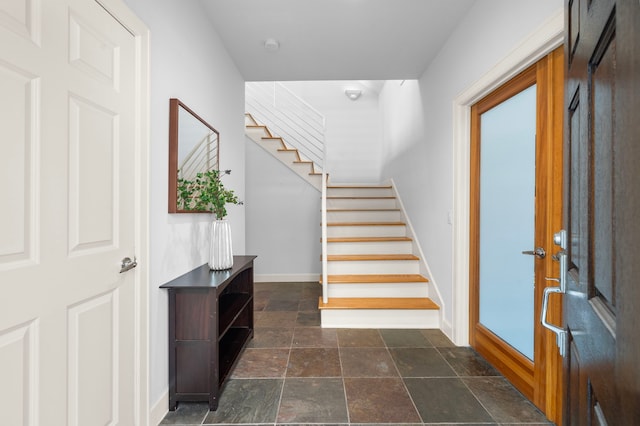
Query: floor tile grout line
479, 402
344, 384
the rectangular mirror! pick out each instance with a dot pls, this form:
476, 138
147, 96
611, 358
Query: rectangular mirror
193, 149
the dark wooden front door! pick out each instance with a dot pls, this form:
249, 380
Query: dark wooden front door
602, 212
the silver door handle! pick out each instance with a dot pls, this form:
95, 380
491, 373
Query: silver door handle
538, 252
561, 240
128, 264
557, 330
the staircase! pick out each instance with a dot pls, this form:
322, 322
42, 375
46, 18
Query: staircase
286, 154
374, 278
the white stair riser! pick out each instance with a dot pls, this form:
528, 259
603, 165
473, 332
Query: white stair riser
378, 247
273, 145
380, 318
256, 133
360, 192
248, 121
382, 290
366, 231
361, 203
302, 168
355, 267
364, 216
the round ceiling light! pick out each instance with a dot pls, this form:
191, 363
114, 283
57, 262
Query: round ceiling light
271, 44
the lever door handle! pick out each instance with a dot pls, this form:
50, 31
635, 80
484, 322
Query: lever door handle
128, 264
538, 252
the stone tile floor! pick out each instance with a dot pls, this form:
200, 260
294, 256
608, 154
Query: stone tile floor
294, 372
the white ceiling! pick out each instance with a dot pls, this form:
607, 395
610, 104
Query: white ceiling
334, 39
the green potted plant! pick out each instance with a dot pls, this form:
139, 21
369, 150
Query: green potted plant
206, 193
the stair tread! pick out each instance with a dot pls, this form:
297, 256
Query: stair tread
366, 239
379, 303
362, 210
366, 224
376, 278
335, 197
366, 257
359, 187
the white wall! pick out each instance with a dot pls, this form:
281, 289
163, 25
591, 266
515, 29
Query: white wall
283, 219
353, 128
418, 126
189, 62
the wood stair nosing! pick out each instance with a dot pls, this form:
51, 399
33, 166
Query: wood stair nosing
375, 279
367, 239
250, 117
335, 197
366, 224
265, 129
421, 303
359, 187
369, 257
361, 210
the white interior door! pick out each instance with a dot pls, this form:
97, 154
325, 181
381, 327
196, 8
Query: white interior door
68, 318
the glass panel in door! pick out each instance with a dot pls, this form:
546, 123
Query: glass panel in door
507, 220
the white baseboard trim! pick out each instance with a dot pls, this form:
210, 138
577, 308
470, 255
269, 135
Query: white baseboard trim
286, 278
159, 409
446, 328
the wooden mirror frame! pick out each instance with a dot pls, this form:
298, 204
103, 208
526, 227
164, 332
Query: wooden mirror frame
175, 105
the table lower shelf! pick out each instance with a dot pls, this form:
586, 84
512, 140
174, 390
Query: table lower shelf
230, 348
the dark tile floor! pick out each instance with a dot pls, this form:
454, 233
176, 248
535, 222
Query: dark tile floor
294, 372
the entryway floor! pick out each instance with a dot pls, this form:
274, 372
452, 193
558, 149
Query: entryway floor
294, 372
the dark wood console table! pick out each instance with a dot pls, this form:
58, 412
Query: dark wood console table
210, 323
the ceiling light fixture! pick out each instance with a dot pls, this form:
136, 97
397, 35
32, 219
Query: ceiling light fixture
271, 44
353, 94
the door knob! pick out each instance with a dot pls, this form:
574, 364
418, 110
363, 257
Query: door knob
538, 252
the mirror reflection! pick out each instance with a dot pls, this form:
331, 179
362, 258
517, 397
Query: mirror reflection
193, 149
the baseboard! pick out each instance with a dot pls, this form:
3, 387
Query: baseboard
159, 409
286, 278
447, 328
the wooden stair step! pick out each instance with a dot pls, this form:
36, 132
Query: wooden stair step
362, 210
372, 257
379, 303
359, 198
376, 278
366, 224
366, 239
359, 187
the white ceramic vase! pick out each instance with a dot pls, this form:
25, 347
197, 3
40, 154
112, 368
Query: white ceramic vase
221, 252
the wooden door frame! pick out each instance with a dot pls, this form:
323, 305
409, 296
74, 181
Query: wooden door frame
537, 379
538, 44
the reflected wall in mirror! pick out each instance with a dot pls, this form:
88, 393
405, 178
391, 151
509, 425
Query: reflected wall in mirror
193, 149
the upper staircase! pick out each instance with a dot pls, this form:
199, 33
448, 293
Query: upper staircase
288, 155
373, 275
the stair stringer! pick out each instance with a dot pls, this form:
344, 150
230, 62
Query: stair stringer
434, 292
289, 156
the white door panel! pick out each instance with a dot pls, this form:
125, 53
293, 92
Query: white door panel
67, 328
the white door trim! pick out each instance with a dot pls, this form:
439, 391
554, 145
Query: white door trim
542, 41
119, 10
